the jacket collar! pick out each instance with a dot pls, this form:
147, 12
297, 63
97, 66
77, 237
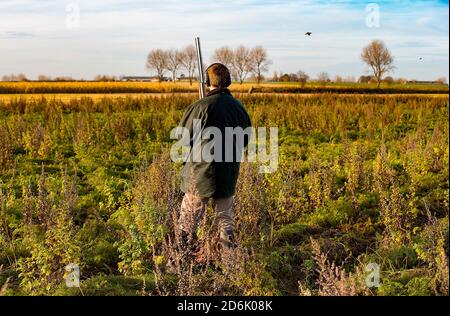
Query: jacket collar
218, 90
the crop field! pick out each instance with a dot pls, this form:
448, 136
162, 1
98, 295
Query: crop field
169, 87
362, 187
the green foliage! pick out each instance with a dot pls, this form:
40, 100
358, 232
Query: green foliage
98, 253
409, 286
419, 287
88, 181
402, 257
332, 214
110, 285
391, 288
292, 233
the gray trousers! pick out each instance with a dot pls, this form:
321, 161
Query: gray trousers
193, 208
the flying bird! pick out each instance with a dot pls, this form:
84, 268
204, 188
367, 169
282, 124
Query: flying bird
420, 58
308, 33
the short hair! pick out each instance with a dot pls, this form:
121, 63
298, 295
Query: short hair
219, 75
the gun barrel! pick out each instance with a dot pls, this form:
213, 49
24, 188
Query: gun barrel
201, 73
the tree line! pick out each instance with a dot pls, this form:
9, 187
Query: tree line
241, 61
173, 60
22, 77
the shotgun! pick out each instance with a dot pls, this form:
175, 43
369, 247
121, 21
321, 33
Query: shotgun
201, 73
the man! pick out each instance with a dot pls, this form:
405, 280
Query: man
202, 180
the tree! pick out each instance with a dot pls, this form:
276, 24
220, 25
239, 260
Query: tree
275, 77
379, 59
189, 61
441, 80
259, 62
364, 79
105, 78
14, 77
174, 62
293, 77
157, 60
242, 64
224, 55
302, 78
44, 78
349, 79
63, 78
323, 77
389, 80
253, 77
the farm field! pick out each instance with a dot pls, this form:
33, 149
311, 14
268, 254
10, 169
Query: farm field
169, 87
362, 183
67, 97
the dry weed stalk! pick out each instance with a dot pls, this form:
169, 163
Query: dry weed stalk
333, 280
5, 285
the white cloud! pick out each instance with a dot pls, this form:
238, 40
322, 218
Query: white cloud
114, 36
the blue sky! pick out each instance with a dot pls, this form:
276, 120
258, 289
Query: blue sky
115, 36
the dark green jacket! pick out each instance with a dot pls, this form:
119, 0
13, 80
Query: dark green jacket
214, 179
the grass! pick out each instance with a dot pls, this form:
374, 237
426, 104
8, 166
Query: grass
362, 179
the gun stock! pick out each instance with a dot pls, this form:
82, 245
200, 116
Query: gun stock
201, 73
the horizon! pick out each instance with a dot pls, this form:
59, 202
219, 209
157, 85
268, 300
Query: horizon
51, 38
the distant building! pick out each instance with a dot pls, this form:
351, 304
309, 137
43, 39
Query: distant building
424, 82
183, 77
142, 79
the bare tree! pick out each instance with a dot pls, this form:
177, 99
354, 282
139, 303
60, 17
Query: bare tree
293, 77
441, 80
323, 77
379, 59
365, 79
64, 79
302, 78
401, 81
44, 78
241, 63
14, 77
157, 60
224, 55
349, 79
174, 62
275, 77
105, 78
189, 61
259, 62
389, 80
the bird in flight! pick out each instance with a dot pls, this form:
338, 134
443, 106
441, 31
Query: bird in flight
420, 58
308, 33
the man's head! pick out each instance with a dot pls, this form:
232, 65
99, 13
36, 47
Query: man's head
218, 76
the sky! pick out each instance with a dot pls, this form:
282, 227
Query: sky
83, 38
